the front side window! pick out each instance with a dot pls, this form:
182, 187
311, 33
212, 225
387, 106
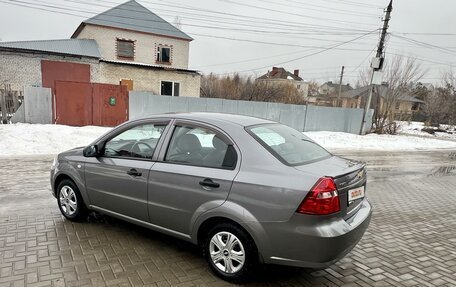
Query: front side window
170, 89
137, 142
287, 144
201, 147
163, 54
125, 49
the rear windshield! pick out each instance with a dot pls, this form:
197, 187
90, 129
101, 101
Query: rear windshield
287, 144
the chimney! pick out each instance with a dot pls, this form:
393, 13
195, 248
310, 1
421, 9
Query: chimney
296, 73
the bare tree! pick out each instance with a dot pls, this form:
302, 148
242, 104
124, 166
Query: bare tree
398, 73
236, 87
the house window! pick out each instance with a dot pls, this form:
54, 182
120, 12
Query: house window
170, 89
398, 105
163, 54
125, 49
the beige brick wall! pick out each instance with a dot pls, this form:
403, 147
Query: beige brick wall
149, 80
24, 69
145, 45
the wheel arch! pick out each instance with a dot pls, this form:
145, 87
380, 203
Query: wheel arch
252, 229
64, 174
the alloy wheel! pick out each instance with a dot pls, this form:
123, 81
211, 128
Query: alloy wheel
227, 252
68, 200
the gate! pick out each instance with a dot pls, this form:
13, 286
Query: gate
81, 104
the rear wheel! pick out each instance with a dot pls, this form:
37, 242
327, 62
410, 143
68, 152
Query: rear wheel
230, 252
70, 201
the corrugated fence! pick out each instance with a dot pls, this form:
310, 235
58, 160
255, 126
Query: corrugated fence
300, 117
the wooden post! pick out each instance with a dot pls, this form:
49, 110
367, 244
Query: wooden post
16, 101
3, 105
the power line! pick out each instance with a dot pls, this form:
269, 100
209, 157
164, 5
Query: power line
305, 5
40, 7
308, 55
427, 45
293, 14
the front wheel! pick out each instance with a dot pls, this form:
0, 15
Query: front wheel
230, 252
70, 201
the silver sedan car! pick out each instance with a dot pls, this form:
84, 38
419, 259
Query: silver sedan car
246, 190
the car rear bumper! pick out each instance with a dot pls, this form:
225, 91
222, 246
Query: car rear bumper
308, 242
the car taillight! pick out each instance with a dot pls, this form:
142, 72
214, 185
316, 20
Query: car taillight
322, 199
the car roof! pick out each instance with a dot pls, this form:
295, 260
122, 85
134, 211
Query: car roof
214, 117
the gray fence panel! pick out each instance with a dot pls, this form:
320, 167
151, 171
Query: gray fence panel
38, 105
246, 108
274, 111
197, 105
293, 116
229, 106
19, 115
260, 110
302, 118
322, 119
179, 104
214, 105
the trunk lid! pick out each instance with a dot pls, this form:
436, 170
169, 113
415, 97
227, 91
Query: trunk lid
347, 174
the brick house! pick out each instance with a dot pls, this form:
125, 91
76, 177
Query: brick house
127, 44
280, 76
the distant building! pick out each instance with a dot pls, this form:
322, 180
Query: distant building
405, 105
330, 88
280, 76
127, 45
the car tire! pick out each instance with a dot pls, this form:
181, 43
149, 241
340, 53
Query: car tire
70, 201
236, 262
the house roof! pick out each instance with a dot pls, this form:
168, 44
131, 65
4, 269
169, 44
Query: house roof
336, 86
133, 16
156, 67
280, 73
77, 47
382, 90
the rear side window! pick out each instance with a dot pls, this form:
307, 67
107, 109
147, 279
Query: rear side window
200, 147
288, 145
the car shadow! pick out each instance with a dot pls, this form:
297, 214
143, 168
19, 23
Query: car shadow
265, 275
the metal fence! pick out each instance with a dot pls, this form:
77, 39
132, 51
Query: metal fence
300, 117
9, 102
36, 107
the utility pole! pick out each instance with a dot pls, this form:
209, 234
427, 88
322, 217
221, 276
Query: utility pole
340, 85
377, 62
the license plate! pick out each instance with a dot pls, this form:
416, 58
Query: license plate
356, 193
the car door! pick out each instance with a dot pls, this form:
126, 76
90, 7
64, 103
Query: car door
193, 174
116, 181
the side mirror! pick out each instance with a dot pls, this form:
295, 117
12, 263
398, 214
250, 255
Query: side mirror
91, 151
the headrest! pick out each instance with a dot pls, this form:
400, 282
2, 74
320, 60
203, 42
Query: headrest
189, 143
218, 143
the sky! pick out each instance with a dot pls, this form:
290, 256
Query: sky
251, 36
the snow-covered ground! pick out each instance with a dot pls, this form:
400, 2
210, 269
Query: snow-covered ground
334, 141
28, 139
415, 128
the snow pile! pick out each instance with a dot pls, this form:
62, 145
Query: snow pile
415, 128
345, 141
26, 139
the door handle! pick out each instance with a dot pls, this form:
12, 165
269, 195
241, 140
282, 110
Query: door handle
208, 182
134, 172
